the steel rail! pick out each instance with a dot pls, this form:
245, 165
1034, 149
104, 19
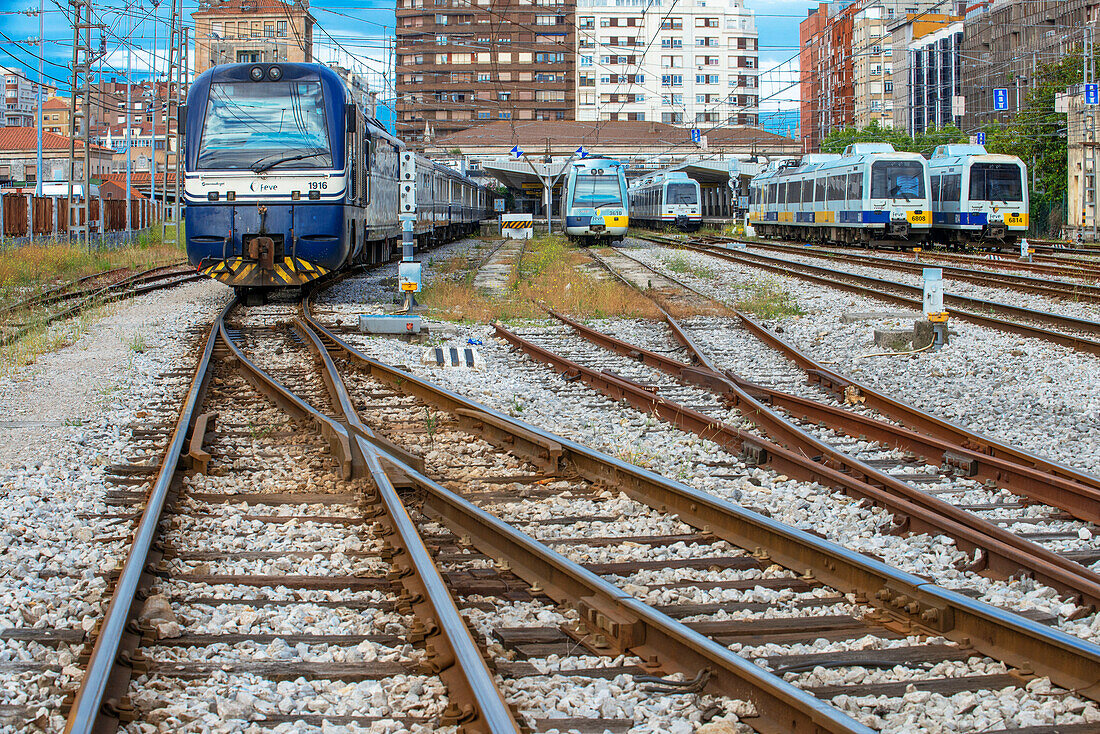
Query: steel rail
457, 661
91, 710
1078, 500
915, 418
62, 292
1069, 661
809, 459
866, 285
1082, 292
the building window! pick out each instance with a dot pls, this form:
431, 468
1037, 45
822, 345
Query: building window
269, 30
672, 80
280, 29
888, 86
440, 19
586, 61
483, 115
672, 24
506, 115
587, 21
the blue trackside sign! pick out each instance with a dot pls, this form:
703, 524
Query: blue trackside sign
1000, 99
1092, 94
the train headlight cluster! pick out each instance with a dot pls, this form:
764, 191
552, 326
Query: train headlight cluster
256, 73
274, 73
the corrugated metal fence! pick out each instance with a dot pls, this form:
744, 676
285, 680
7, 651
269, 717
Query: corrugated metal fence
50, 218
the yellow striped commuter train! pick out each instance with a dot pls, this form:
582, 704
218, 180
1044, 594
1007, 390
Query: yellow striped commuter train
872, 196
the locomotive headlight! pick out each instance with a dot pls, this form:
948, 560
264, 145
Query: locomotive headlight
274, 73
256, 73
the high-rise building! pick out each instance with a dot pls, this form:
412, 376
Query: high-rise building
846, 65
927, 72
461, 63
680, 62
1005, 41
244, 31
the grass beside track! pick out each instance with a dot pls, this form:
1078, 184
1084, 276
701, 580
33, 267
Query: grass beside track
32, 269
550, 270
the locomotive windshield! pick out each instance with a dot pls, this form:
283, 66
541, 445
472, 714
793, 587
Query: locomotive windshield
597, 191
996, 182
897, 180
681, 193
261, 125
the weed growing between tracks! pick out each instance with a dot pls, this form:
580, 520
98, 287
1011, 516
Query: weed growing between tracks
768, 299
550, 270
679, 264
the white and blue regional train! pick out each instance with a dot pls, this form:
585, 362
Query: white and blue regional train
595, 204
286, 180
871, 195
977, 198
666, 199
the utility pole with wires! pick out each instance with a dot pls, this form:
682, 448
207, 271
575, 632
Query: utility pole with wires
81, 86
175, 51
41, 73
1088, 134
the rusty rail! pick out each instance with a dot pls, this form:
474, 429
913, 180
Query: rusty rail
1069, 661
908, 415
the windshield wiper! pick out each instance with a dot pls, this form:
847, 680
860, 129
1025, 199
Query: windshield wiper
259, 166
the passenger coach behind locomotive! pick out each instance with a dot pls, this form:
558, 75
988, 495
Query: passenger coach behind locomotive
287, 180
871, 195
977, 198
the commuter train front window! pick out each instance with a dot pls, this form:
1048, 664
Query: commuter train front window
264, 125
597, 191
897, 180
681, 193
996, 182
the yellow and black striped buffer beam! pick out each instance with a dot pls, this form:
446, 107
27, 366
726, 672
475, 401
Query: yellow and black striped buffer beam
238, 272
522, 224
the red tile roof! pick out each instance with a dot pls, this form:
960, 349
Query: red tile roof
56, 103
26, 138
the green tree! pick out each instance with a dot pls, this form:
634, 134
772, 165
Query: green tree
1037, 134
924, 143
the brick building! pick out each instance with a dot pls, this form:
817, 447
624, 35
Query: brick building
19, 156
462, 63
242, 31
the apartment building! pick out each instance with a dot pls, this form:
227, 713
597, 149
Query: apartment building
244, 31
679, 62
21, 99
462, 63
872, 68
847, 65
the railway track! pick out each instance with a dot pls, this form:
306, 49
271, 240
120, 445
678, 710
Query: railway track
451, 566
680, 514
1076, 333
73, 298
1043, 286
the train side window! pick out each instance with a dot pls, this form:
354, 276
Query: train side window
950, 188
935, 181
808, 191
794, 191
855, 186
820, 193
782, 193
836, 188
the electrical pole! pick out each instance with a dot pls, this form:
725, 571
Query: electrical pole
74, 85
41, 76
1088, 135
154, 107
129, 124
171, 98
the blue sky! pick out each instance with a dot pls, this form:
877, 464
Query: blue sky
357, 27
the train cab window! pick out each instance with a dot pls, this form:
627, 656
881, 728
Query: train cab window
855, 186
897, 180
819, 195
996, 182
682, 193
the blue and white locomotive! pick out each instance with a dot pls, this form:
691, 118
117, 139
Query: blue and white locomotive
595, 206
666, 199
871, 195
977, 198
286, 179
